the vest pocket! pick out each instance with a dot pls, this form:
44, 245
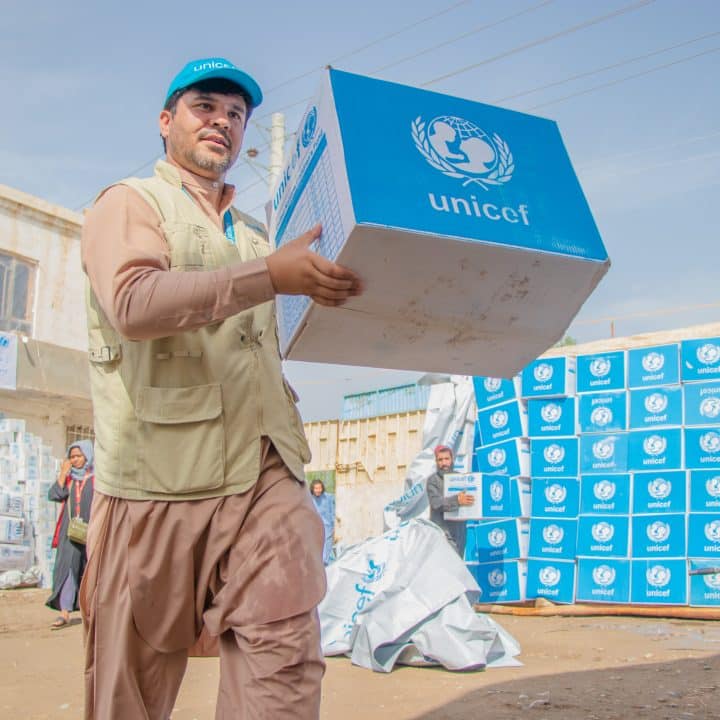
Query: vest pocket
181, 439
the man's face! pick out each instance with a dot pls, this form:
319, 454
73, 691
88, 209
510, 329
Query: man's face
204, 133
444, 461
77, 459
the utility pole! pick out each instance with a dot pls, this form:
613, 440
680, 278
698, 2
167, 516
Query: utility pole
277, 147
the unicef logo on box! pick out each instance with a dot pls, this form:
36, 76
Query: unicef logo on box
654, 445
658, 576
601, 416
492, 385
553, 534
656, 403
604, 449
602, 532
710, 407
653, 361
549, 576
659, 488
658, 531
496, 491
554, 454
555, 493
600, 367
499, 419
551, 412
497, 578
708, 354
604, 490
496, 457
497, 537
603, 575
460, 149
712, 531
712, 486
710, 442
309, 127
713, 581
543, 372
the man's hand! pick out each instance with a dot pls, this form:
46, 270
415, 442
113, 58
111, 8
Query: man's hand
297, 270
465, 499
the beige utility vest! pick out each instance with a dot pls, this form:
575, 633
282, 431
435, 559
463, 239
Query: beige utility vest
181, 417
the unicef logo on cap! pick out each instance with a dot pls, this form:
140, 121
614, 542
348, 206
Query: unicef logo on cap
553, 534
492, 384
712, 531
656, 403
496, 457
499, 419
713, 581
551, 412
554, 453
549, 576
659, 488
658, 576
309, 126
497, 537
710, 442
601, 416
604, 490
708, 354
653, 361
710, 407
602, 532
555, 493
603, 575
497, 578
543, 372
600, 367
654, 445
604, 449
496, 491
460, 149
658, 531
712, 486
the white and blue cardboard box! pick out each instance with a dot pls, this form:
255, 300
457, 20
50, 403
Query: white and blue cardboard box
549, 377
659, 491
655, 407
601, 372
465, 221
704, 491
491, 391
501, 582
649, 366
702, 403
660, 581
603, 580
551, 579
602, 412
605, 494
704, 583
554, 457
702, 447
553, 537
658, 536
511, 458
503, 422
659, 448
704, 535
700, 359
470, 483
555, 497
603, 536
505, 497
604, 453
551, 417
498, 540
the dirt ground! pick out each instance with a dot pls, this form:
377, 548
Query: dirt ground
574, 669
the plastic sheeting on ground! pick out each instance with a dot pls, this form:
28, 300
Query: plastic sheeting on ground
405, 597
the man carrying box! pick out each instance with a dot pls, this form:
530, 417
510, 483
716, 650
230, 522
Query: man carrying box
201, 519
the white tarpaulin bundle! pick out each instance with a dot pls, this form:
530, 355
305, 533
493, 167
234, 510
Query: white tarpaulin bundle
405, 597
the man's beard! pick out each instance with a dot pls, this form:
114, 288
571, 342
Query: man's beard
218, 166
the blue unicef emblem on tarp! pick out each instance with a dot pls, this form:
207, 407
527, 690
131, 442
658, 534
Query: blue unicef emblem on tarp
309, 127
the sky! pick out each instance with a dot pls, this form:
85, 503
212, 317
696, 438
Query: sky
635, 96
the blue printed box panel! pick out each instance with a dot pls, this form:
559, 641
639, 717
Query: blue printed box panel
659, 581
603, 581
601, 372
551, 579
704, 583
655, 407
499, 540
702, 448
493, 391
549, 377
555, 497
554, 457
511, 458
658, 536
659, 491
659, 365
553, 537
700, 359
702, 403
551, 417
603, 536
605, 494
660, 448
704, 535
503, 422
604, 453
504, 497
704, 491
602, 412
501, 582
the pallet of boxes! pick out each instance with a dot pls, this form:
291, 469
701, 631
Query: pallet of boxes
27, 517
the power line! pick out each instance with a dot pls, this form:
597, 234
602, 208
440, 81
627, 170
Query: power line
541, 41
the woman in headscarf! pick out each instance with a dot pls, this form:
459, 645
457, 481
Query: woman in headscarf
74, 489
325, 505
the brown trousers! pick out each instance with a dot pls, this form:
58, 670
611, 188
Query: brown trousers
245, 569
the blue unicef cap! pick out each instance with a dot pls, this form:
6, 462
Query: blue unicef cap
215, 68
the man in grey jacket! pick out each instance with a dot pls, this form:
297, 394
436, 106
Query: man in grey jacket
439, 504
